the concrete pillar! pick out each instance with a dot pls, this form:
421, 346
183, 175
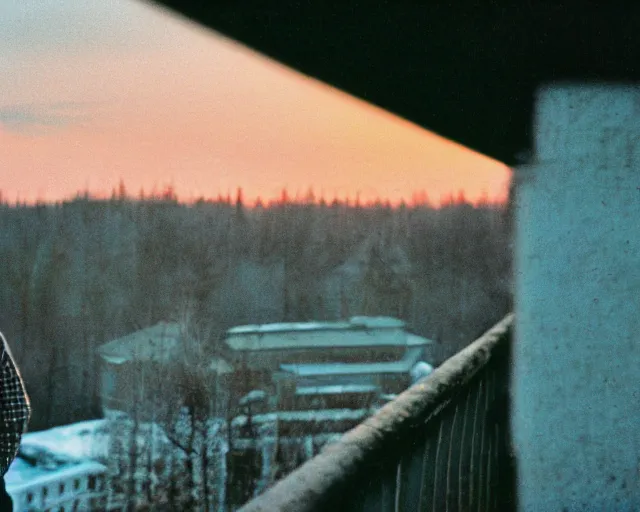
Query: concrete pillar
576, 403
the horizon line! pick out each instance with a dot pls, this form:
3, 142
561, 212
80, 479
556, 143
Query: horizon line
419, 197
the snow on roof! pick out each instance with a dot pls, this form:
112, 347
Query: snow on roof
22, 475
314, 416
305, 370
253, 396
411, 357
421, 370
336, 389
66, 451
219, 365
356, 322
414, 340
158, 343
85, 439
314, 381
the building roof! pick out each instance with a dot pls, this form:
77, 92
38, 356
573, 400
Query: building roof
355, 323
336, 389
413, 340
23, 476
314, 416
60, 453
159, 343
404, 365
380, 331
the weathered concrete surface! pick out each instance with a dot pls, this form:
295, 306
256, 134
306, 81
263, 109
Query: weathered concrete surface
317, 483
576, 415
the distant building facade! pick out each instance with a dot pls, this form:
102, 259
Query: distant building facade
135, 379
288, 358
62, 468
283, 390
299, 386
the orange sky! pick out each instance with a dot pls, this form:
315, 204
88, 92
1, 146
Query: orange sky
90, 94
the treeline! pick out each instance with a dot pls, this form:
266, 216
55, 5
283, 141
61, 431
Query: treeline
84, 272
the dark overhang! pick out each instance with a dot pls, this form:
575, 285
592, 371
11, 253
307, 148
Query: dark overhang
466, 70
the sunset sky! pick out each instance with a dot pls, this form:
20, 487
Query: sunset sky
92, 92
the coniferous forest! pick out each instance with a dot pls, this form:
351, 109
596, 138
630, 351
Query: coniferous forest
83, 272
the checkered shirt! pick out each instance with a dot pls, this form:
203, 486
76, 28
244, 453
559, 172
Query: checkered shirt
15, 409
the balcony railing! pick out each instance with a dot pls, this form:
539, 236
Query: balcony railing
443, 444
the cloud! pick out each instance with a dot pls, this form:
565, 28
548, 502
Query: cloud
41, 119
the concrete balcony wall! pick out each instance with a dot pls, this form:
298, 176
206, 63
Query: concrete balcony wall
577, 269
